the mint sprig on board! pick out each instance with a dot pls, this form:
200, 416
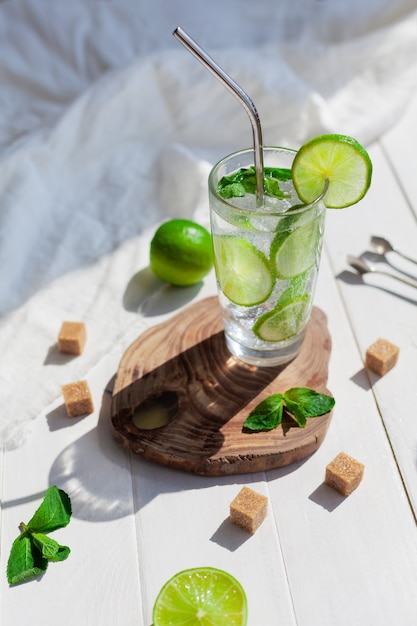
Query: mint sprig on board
33, 549
300, 402
243, 181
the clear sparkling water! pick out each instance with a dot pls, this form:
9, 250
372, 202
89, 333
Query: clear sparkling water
259, 227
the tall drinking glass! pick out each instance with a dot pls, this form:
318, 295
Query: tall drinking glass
266, 260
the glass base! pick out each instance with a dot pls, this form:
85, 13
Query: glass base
265, 358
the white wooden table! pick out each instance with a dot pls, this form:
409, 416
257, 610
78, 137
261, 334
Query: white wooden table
318, 559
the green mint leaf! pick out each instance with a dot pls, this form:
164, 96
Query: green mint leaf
249, 180
236, 177
266, 415
32, 550
280, 173
295, 289
61, 555
272, 188
300, 402
25, 561
272, 176
243, 181
303, 403
49, 548
239, 183
234, 190
54, 512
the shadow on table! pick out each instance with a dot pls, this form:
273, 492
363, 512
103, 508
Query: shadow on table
352, 278
326, 497
151, 296
55, 357
230, 536
106, 482
361, 378
93, 469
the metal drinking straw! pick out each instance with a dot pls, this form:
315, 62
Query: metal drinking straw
243, 98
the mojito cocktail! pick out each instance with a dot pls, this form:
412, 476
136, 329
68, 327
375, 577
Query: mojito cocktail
266, 256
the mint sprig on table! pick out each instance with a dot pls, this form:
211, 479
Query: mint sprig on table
243, 181
33, 549
300, 402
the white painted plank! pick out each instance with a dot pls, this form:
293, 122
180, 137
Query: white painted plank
317, 559
400, 148
99, 582
380, 307
341, 553
183, 522
181, 519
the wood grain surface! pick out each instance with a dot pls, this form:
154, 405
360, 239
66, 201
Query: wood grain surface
186, 359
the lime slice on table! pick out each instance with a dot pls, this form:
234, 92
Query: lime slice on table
340, 159
202, 596
294, 252
243, 271
283, 322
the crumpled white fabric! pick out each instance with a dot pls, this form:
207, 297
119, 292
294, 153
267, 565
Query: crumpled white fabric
116, 133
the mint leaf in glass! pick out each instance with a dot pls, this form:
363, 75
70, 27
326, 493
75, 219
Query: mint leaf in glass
33, 549
266, 415
295, 289
280, 173
243, 181
303, 403
233, 190
54, 512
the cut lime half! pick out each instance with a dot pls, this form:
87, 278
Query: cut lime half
283, 322
243, 271
202, 596
340, 159
295, 252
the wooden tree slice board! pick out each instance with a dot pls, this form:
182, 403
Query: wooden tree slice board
186, 358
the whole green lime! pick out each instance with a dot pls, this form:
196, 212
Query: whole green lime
181, 252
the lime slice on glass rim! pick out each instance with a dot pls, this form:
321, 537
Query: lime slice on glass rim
202, 596
243, 271
283, 322
340, 159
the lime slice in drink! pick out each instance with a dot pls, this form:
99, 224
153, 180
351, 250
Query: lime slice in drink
294, 252
340, 159
203, 596
243, 271
283, 322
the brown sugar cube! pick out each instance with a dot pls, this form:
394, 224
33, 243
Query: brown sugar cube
77, 399
72, 337
248, 509
381, 356
344, 474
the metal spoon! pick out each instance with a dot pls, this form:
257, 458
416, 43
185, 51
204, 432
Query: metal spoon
382, 246
361, 266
